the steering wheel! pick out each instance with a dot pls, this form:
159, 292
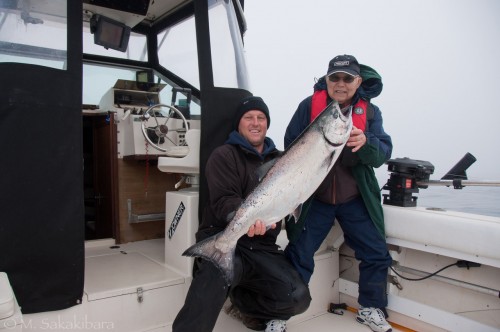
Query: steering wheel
157, 134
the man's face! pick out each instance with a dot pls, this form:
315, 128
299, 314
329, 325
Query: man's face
253, 127
342, 87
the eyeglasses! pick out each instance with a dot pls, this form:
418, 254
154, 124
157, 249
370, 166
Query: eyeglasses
346, 78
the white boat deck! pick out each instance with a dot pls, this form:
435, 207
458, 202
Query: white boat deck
112, 271
321, 323
129, 288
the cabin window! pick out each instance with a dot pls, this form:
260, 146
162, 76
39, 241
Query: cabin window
177, 48
177, 51
228, 59
33, 33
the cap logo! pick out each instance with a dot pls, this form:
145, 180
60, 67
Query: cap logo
358, 110
341, 63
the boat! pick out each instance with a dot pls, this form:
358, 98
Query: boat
108, 111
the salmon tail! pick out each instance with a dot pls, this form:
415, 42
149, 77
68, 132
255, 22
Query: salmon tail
206, 249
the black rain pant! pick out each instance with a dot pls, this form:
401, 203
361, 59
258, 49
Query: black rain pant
266, 286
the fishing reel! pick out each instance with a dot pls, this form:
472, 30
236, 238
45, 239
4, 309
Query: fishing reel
407, 177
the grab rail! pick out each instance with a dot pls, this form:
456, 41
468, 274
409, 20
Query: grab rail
137, 218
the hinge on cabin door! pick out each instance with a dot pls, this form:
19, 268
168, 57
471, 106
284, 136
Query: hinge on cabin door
140, 296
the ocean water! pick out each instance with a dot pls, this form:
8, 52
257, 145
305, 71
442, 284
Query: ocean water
470, 199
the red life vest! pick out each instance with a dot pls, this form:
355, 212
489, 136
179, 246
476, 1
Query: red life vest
318, 104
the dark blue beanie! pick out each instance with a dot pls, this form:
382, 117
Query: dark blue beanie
248, 104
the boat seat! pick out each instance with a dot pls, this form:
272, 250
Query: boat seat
183, 159
177, 151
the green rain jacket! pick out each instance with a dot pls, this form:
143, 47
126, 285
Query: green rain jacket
373, 154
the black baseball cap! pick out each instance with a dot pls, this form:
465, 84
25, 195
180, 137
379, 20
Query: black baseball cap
343, 64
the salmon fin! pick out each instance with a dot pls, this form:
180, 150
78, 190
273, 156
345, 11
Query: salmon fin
207, 250
296, 213
262, 170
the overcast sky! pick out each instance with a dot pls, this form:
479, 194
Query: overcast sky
439, 61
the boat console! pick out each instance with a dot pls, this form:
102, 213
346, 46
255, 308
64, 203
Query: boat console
181, 207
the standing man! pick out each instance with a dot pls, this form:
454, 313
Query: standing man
266, 289
350, 193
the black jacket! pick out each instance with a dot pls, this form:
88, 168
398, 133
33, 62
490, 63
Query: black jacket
231, 174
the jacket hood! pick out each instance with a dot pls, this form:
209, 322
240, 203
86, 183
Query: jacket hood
235, 138
369, 89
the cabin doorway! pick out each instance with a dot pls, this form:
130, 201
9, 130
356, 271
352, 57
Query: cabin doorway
99, 169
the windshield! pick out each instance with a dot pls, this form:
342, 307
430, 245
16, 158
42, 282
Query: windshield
99, 80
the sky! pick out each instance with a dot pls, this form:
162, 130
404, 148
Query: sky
439, 61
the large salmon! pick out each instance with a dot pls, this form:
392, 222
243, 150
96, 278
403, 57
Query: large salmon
290, 181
